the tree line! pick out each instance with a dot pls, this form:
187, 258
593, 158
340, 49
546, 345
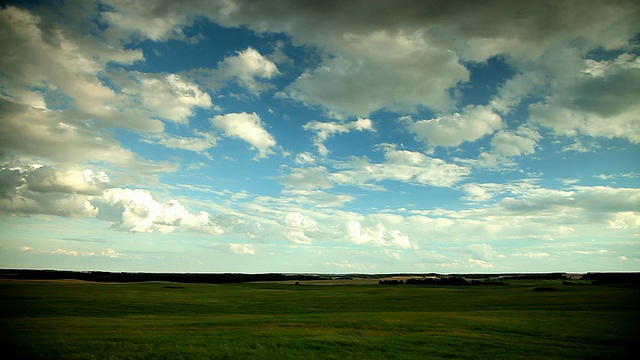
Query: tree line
126, 277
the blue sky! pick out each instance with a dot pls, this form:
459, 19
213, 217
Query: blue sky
320, 136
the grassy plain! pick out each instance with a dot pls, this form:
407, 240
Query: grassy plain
67, 320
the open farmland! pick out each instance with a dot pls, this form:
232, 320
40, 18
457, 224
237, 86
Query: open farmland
77, 320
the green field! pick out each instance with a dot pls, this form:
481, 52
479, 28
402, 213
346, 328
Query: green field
59, 320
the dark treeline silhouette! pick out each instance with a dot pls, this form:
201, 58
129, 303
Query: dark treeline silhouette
390, 282
612, 278
125, 277
549, 276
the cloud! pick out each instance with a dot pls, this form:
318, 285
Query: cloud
45, 190
509, 144
297, 228
533, 254
305, 158
168, 96
374, 58
75, 253
378, 235
380, 70
247, 67
71, 252
506, 145
307, 178
481, 192
481, 263
247, 127
111, 253
399, 165
61, 66
483, 252
136, 210
625, 220
594, 252
326, 130
11, 179
319, 198
198, 144
594, 199
242, 249
45, 179
58, 103
31, 135
377, 58
47, 134
345, 265
473, 123
601, 101
529, 211
140, 23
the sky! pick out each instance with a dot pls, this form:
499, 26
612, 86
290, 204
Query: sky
320, 136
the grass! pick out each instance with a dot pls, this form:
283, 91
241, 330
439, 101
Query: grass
279, 321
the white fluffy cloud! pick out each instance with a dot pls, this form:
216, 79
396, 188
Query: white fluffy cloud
242, 249
326, 130
473, 123
506, 145
298, 228
481, 263
248, 127
247, 68
136, 210
168, 97
400, 165
378, 235
76, 192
